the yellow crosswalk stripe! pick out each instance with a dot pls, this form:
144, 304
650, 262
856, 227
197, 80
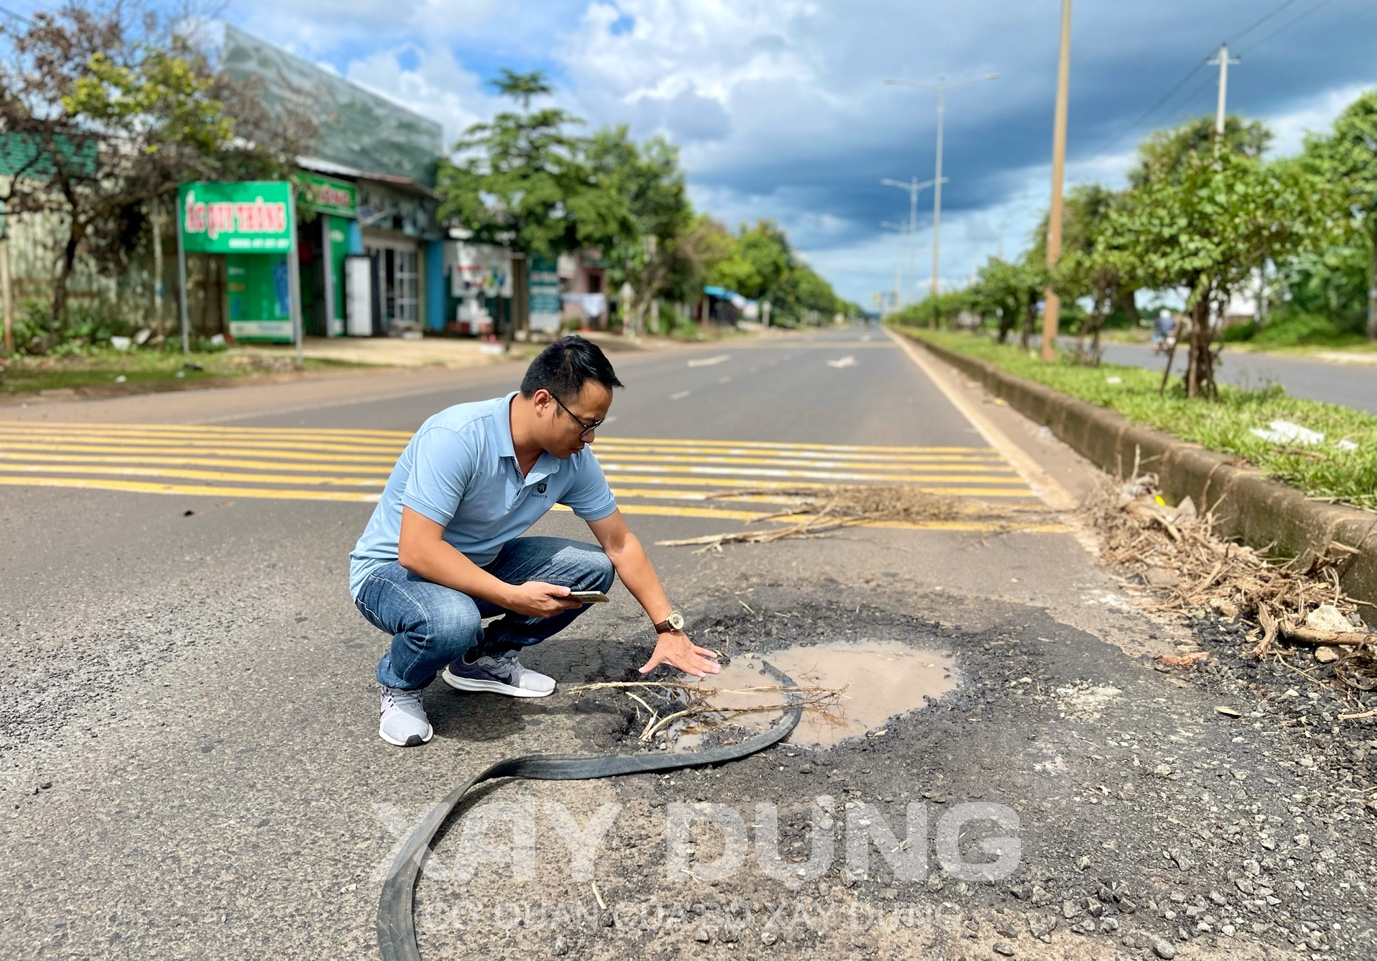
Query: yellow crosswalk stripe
651, 476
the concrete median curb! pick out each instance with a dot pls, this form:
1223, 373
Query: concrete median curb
1260, 512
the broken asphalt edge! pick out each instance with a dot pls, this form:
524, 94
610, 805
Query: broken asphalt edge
1262, 513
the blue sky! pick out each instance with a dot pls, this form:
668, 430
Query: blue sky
781, 110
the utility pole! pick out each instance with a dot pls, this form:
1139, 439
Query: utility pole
1051, 313
940, 88
913, 187
1222, 61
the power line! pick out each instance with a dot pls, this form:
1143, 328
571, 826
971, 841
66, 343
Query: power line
17, 16
1261, 20
1125, 131
1286, 26
1153, 109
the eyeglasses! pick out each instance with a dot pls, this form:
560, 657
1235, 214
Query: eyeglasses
587, 428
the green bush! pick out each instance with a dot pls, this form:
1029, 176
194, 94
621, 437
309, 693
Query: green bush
1237, 333
81, 327
1291, 328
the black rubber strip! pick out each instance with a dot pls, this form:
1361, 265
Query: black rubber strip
396, 921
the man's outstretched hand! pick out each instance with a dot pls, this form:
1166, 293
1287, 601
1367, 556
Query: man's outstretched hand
675, 649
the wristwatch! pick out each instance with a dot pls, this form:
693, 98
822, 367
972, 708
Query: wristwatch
675, 622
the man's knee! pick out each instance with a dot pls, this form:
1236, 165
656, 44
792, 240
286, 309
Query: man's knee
591, 567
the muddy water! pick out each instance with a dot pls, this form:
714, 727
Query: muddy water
879, 680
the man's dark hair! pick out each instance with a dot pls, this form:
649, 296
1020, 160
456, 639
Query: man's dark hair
564, 366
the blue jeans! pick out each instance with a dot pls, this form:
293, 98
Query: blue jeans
432, 625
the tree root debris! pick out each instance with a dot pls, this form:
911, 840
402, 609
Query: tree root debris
818, 512
680, 702
1176, 553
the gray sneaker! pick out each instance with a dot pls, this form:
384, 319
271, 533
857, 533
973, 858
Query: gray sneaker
404, 722
502, 674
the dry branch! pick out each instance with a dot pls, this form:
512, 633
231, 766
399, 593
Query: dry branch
1141, 533
822, 510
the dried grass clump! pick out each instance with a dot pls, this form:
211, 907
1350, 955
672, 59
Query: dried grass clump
820, 511
1177, 553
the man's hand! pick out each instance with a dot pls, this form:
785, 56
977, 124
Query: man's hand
538, 599
675, 649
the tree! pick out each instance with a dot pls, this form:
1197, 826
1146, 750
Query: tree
1204, 223
1164, 154
1344, 160
1011, 291
756, 263
522, 180
648, 178
120, 103
1084, 270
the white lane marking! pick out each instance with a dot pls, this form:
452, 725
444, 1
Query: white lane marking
841, 362
723, 380
681, 395
709, 361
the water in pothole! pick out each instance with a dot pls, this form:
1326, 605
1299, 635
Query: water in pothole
878, 680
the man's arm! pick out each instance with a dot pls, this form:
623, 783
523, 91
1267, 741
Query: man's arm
633, 567
422, 549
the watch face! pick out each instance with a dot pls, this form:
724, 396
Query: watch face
676, 620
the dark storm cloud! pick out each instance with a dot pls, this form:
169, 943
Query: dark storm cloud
1124, 58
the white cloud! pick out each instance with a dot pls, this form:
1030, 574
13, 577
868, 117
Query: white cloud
1315, 115
439, 87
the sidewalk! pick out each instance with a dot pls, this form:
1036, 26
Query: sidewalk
395, 351
452, 352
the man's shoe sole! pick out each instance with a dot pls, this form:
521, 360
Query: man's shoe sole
490, 687
414, 740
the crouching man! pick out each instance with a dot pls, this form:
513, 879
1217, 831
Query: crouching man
443, 551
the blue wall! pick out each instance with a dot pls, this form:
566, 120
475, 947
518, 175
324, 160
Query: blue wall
435, 286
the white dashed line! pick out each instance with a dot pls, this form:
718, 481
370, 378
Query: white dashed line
709, 361
681, 395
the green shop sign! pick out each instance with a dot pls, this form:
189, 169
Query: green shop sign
249, 217
329, 196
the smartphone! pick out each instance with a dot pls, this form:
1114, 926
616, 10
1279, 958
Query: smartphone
589, 597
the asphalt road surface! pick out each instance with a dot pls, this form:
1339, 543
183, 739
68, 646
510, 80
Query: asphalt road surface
188, 718
1348, 385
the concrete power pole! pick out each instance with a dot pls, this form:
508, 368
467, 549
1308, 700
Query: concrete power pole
1051, 314
1222, 61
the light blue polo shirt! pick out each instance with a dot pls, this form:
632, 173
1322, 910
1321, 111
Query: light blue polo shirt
460, 471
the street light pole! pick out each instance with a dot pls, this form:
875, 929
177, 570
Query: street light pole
1051, 311
913, 187
940, 87
898, 263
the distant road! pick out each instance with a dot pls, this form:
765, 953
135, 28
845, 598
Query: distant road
1351, 385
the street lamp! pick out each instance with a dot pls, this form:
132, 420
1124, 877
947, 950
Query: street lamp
901, 229
940, 88
913, 187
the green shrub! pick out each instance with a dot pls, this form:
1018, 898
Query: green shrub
1236, 333
1291, 328
81, 327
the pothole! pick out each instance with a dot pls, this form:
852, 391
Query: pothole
879, 680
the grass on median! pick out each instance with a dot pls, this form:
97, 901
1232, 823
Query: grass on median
101, 366
1323, 471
